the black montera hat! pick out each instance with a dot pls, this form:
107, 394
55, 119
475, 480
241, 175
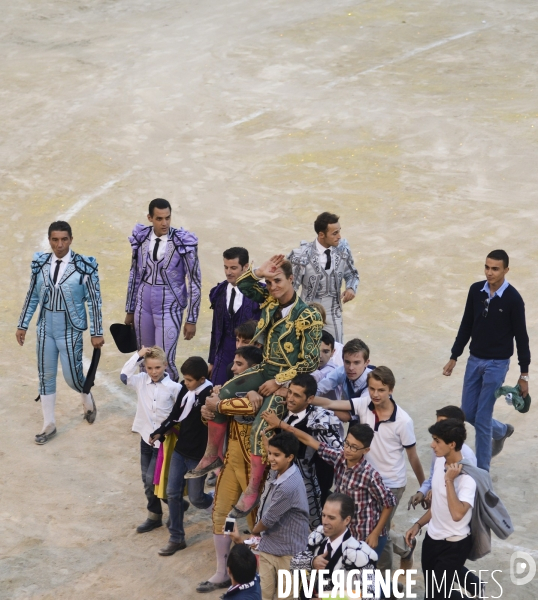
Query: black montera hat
124, 337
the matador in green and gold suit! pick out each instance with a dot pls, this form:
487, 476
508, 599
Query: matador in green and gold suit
290, 346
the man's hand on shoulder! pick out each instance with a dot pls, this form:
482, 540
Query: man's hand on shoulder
449, 367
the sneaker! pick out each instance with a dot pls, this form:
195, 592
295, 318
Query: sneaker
497, 445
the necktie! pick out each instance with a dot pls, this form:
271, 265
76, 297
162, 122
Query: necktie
328, 263
329, 550
55, 278
231, 304
156, 249
292, 419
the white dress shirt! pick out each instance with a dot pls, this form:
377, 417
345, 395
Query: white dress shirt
162, 246
322, 256
63, 266
337, 542
238, 300
300, 416
155, 400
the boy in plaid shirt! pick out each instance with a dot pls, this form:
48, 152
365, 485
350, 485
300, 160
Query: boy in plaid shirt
355, 477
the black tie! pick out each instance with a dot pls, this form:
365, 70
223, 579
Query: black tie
328, 263
231, 305
55, 278
329, 550
156, 249
292, 419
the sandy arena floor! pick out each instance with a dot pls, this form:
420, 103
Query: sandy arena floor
415, 121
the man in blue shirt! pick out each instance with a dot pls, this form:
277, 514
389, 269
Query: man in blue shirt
494, 315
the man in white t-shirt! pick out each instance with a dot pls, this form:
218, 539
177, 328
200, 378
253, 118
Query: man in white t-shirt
394, 436
448, 541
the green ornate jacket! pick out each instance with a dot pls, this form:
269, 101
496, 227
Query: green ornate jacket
291, 345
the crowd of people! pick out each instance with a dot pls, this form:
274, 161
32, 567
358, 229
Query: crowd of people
300, 433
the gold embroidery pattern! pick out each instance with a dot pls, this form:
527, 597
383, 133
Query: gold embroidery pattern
288, 347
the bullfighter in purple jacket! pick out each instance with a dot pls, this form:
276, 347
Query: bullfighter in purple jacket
158, 293
230, 309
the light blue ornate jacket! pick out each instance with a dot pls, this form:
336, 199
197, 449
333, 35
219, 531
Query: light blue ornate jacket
78, 285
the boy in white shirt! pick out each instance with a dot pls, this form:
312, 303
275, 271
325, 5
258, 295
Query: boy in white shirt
394, 436
156, 394
448, 541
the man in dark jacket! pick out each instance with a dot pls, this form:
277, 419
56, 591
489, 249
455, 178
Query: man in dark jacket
242, 571
494, 315
230, 309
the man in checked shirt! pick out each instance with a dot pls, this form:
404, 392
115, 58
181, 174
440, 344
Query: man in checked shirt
355, 477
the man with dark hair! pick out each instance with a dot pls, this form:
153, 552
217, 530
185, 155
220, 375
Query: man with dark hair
63, 283
283, 514
230, 309
332, 547
321, 267
350, 380
163, 259
241, 567
448, 542
494, 315
290, 331
318, 422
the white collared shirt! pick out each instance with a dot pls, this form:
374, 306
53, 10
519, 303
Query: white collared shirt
63, 266
155, 400
162, 246
238, 300
337, 542
300, 416
322, 256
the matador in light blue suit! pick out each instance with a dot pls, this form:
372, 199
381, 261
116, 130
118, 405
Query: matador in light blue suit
62, 284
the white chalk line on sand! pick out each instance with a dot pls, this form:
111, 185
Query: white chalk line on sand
117, 390
84, 200
245, 120
404, 57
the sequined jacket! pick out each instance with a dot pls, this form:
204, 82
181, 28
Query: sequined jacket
79, 286
291, 344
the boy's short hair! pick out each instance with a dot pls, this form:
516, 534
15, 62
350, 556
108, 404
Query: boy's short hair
347, 506
246, 330
327, 338
157, 353
60, 226
159, 203
236, 252
322, 222
196, 367
363, 433
383, 374
285, 442
451, 412
242, 563
354, 346
450, 430
499, 255
252, 354
307, 382
287, 269
319, 307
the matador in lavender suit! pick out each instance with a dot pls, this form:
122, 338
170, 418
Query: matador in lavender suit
164, 280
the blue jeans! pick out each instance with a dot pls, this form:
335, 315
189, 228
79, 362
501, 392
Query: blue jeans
148, 460
482, 378
179, 465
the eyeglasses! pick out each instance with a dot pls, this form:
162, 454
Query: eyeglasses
354, 448
486, 307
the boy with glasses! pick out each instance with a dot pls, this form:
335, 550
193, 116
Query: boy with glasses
356, 477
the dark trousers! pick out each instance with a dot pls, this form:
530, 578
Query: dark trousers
442, 563
148, 459
325, 475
